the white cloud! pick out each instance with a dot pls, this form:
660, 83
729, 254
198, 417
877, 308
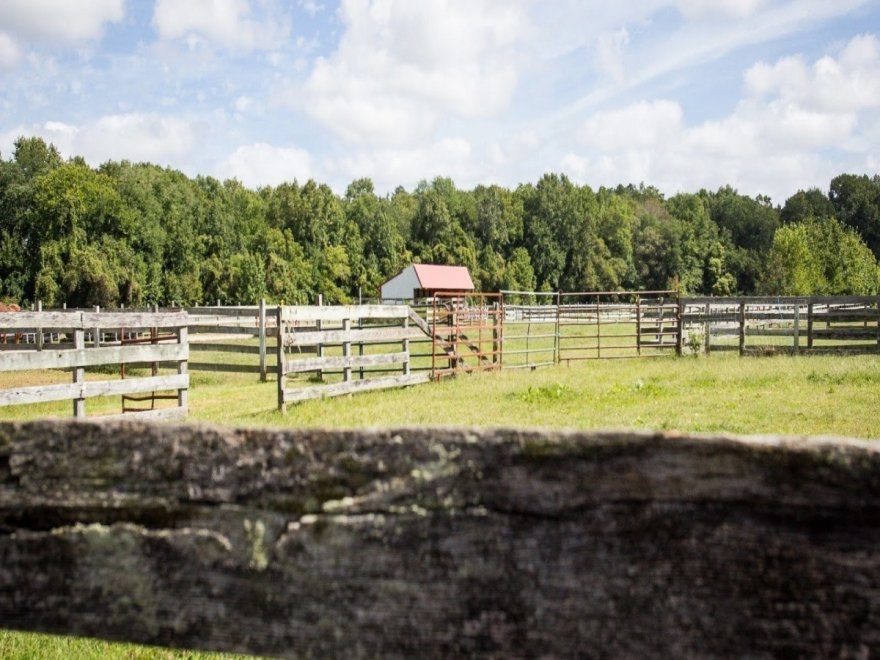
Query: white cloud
262, 164
311, 7
68, 21
136, 137
225, 23
9, 52
389, 167
773, 141
243, 103
400, 65
641, 125
610, 49
718, 8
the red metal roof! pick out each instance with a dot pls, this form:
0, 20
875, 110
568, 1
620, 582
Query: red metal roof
444, 278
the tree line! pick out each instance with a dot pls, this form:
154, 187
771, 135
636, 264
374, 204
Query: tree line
135, 234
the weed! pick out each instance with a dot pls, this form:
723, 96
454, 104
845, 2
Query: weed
554, 392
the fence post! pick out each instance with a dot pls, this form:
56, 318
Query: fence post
406, 365
97, 331
360, 343
262, 330
346, 350
679, 332
707, 330
797, 328
742, 327
39, 337
183, 367
638, 324
810, 325
556, 331
319, 349
79, 373
282, 368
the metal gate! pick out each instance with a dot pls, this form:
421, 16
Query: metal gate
550, 328
467, 332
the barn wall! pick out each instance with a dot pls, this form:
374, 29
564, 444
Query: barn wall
439, 542
401, 286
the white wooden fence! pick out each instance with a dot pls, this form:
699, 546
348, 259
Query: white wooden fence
225, 330
307, 335
74, 354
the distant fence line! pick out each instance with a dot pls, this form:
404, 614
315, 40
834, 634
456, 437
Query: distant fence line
354, 348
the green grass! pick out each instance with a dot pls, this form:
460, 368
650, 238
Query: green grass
36, 646
723, 392
806, 395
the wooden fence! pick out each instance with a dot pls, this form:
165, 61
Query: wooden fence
319, 340
765, 325
233, 339
62, 345
412, 543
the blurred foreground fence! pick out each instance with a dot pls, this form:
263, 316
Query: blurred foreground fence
441, 542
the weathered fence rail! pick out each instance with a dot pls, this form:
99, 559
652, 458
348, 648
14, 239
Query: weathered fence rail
816, 324
246, 331
76, 355
380, 333
441, 542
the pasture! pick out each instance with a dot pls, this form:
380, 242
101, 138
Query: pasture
802, 395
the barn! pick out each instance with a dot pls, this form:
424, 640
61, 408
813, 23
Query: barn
423, 280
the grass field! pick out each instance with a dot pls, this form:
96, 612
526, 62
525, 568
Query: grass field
722, 393
783, 394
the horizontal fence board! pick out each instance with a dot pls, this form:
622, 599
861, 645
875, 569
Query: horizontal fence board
197, 347
160, 414
774, 332
213, 319
252, 311
45, 320
779, 300
90, 389
116, 320
866, 334
351, 387
342, 362
353, 336
89, 357
242, 331
867, 316
29, 348
90, 320
342, 312
229, 368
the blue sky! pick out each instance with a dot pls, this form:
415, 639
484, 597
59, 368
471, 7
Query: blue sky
769, 96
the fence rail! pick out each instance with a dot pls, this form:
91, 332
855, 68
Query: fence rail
320, 340
76, 355
220, 331
818, 324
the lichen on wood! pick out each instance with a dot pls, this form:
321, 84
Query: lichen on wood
438, 542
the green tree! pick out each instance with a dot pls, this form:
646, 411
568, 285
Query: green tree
856, 201
820, 257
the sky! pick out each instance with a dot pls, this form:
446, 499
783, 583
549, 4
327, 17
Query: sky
768, 96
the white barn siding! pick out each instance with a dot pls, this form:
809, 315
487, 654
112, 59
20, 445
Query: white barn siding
401, 286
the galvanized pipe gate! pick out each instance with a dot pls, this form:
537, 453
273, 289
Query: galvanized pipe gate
552, 328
